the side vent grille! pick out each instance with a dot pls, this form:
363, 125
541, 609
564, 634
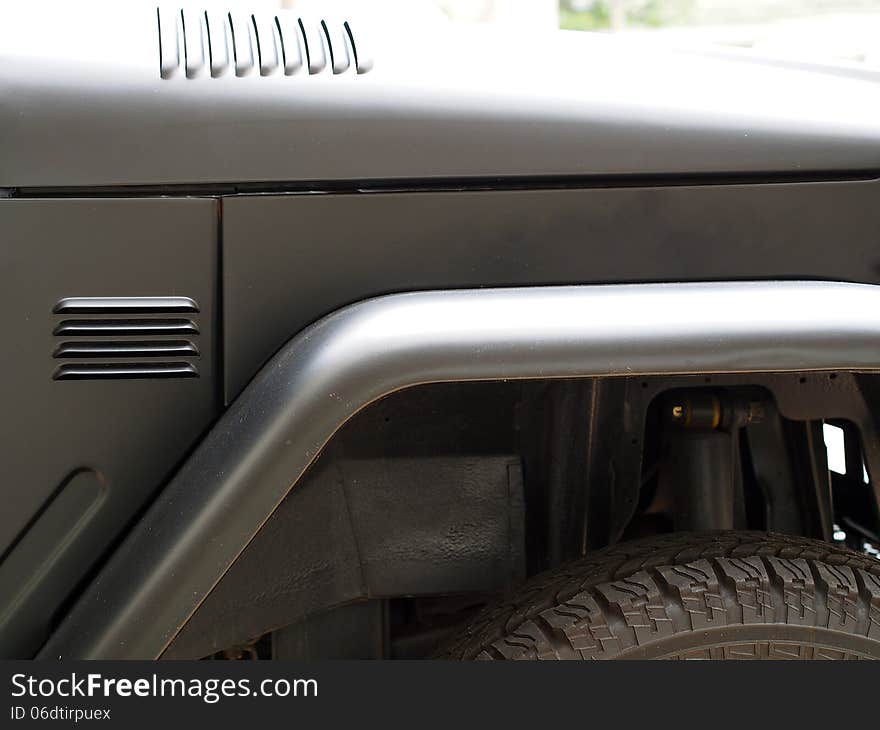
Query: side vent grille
212, 43
126, 337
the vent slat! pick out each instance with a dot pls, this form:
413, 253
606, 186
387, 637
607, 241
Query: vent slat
118, 328
125, 305
291, 43
217, 27
125, 371
209, 43
313, 40
334, 37
363, 60
157, 348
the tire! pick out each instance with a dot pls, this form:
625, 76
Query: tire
723, 595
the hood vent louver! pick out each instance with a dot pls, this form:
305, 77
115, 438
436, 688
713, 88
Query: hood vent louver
107, 338
212, 43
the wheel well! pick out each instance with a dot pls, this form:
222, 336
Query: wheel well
437, 498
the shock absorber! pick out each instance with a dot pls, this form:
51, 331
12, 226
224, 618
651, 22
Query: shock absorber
704, 456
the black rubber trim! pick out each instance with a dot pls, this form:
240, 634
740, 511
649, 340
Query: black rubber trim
444, 184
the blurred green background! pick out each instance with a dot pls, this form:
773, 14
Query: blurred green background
829, 30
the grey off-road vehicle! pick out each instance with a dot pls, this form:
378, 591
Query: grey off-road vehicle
326, 342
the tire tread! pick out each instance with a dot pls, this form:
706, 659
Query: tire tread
635, 594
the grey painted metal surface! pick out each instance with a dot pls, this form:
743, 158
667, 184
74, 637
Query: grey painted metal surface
269, 436
69, 269
289, 260
82, 103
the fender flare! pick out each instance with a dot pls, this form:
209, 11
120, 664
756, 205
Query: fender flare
268, 437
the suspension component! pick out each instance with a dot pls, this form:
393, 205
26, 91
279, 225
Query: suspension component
704, 456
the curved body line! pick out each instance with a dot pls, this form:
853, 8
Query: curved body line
270, 435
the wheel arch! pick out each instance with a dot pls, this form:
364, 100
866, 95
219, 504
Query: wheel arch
262, 445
